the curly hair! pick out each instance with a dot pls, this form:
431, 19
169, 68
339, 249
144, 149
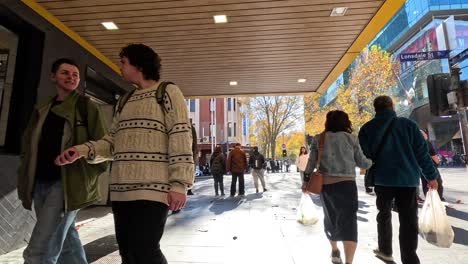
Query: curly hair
144, 58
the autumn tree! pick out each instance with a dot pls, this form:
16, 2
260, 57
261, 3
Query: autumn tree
373, 73
293, 141
273, 115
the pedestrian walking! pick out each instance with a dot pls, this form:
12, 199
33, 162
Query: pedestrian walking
398, 165
150, 143
57, 193
340, 156
257, 162
218, 169
301, 162
237, 164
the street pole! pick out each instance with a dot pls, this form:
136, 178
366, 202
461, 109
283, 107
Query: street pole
455, 73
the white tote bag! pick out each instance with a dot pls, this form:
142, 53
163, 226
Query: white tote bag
307, 213
434, 226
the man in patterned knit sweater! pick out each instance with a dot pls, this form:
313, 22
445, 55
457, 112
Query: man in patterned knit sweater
151, 148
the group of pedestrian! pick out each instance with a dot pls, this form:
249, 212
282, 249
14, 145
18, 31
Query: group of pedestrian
401, 160
65, 148
237, 164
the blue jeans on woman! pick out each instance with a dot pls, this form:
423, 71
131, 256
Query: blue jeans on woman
54, 238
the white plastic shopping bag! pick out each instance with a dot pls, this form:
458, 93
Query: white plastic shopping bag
434, 226
307, 212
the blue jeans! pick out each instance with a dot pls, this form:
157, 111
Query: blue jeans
54, 238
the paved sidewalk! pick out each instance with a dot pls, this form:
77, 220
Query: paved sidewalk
262, 228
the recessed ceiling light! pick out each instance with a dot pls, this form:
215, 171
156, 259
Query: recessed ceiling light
233, 83
220, 19
110, 25
301, 80
339, 11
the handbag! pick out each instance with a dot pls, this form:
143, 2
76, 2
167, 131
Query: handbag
369, 177
314, 185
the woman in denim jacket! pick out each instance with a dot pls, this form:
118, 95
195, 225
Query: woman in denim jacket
341, 154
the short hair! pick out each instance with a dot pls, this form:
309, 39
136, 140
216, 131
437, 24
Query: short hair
144, 58
382, 102
238, 144
255, 148
58, 62
337, 121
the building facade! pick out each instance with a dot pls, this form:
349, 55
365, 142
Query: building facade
416, 27
219, 122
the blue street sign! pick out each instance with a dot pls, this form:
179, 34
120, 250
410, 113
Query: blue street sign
419, 56
459, 57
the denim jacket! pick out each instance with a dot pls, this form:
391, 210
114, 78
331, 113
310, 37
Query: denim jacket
341, 154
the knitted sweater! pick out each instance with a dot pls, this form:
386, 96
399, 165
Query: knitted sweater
151, 150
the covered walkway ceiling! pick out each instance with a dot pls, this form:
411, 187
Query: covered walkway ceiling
266, 45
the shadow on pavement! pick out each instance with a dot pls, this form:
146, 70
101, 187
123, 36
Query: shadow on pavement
457, 214
100, 248
94, 211
228, 204
461, 236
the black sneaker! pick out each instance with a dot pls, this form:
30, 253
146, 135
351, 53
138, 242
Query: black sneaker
382, 255
265, 189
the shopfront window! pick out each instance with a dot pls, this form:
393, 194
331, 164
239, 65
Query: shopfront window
8, 49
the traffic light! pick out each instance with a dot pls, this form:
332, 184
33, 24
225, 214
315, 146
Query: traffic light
438, 85
284, 153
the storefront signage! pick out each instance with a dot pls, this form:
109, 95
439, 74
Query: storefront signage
419, 56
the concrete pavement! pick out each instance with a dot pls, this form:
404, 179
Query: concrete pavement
262, 228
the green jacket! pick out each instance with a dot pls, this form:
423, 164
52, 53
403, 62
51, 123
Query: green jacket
79, 179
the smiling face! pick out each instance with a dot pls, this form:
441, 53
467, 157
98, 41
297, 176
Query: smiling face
66, 78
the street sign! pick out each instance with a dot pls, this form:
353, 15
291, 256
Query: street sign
419, 56
283, 146
459, 57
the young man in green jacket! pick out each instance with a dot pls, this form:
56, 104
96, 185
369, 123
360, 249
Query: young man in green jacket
403, 156
58, 192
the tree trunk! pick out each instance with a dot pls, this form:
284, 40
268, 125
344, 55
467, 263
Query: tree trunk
273, 148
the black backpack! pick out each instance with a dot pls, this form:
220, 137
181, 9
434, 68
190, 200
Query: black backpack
257, 161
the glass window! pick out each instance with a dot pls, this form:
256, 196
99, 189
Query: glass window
229, 104
8, 49
234, 104
192, 105
235, 129
229, 129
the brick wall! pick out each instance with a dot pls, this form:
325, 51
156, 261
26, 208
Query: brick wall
16, 223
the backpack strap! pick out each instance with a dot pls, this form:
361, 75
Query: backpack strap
121, 103
160, 92
82, 106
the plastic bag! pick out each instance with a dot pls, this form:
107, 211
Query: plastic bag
307, 212
434, 226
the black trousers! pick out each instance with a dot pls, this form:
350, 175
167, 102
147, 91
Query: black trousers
234, 182
139, 226
405, 199
218, 183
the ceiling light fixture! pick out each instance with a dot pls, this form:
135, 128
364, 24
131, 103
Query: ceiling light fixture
220, 19
110, 25
301, 80
339, 11
233, 83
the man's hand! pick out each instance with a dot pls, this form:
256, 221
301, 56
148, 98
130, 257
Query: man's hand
432, 184
176, 200
68, 156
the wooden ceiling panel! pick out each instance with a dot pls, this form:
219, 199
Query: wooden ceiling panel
265, 46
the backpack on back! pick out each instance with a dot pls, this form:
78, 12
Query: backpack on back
258, 163
159, 97
219, 165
